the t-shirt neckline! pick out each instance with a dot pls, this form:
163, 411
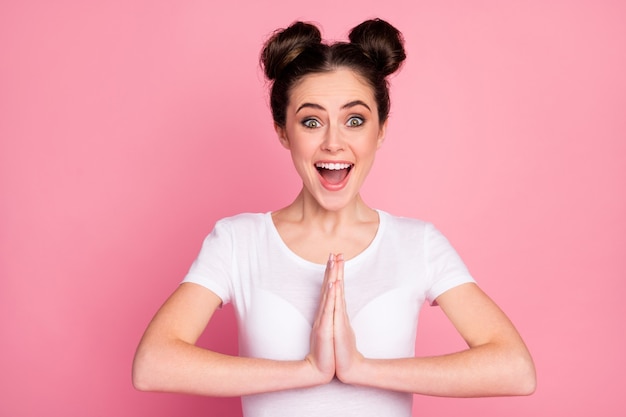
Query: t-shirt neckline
382, 222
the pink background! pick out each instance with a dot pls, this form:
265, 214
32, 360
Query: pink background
128, 127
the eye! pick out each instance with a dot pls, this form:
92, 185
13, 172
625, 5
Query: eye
355, 121
311, 123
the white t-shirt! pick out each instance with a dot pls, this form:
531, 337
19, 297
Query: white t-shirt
275, 294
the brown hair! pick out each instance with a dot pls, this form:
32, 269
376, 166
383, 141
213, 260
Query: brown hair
375, 50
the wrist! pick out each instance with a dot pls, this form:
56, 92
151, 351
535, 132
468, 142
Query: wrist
356, 373
314, 374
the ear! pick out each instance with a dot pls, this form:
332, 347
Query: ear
381, 134
282, 135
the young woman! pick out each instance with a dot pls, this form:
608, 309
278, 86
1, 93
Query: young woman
327, 290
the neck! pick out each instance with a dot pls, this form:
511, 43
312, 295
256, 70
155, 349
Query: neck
306, 210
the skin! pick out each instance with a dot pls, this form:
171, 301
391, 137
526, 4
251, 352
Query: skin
330, 118
324, 124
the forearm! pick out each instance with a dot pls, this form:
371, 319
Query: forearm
487, 370
177, 366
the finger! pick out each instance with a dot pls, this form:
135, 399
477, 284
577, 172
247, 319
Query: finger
330, 293
326, 284
340, 301
339, 304
327, 277
329, 272
326, 314
340, 265
328, 307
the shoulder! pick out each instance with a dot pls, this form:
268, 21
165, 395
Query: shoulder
238, 229
404, 226
242, 221
411, 231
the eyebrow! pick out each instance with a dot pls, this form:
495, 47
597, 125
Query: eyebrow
345, 106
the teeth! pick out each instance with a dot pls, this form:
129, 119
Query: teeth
332, 166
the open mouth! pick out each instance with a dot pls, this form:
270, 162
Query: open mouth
333, 172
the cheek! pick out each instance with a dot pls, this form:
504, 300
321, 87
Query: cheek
370, 148
301, 160
302, 149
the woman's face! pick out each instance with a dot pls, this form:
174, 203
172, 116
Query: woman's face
333, 132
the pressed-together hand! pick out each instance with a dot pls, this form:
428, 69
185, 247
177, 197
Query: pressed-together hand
333, 344
322, 354
346, 353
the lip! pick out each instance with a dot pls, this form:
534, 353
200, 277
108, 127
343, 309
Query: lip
338, 186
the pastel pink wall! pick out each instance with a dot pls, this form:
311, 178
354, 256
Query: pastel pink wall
128, 127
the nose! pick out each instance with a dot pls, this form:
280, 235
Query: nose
333, 141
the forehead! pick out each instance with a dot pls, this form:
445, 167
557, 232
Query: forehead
335, 87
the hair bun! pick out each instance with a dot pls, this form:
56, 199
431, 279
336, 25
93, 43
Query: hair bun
285, 45
382, 43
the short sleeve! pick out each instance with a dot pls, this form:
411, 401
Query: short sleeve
213, 267
445, 268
